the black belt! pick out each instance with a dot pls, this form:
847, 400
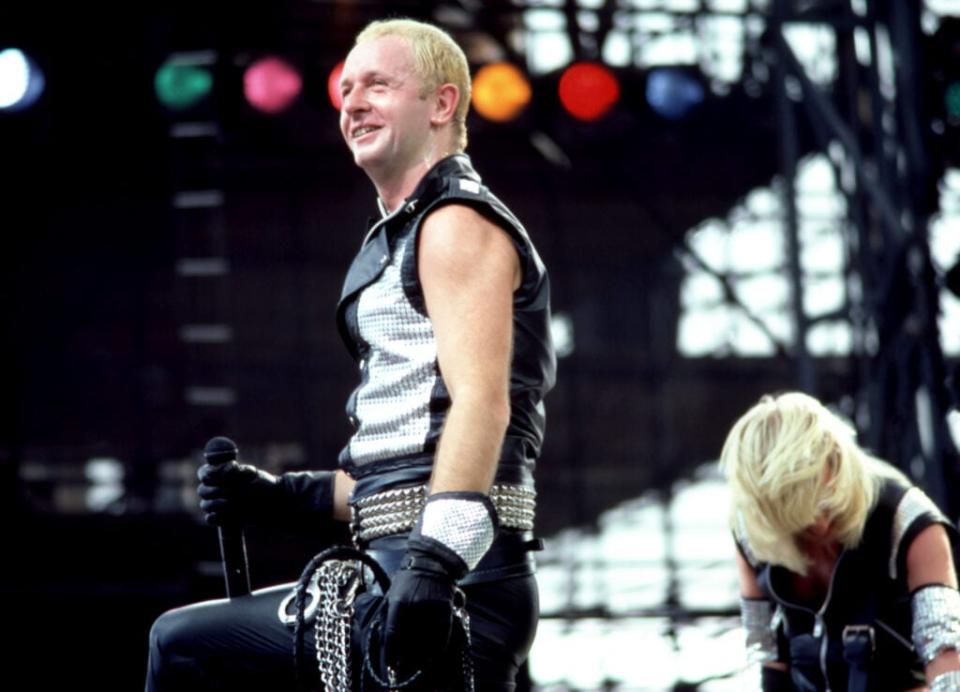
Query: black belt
858, 646
509, 556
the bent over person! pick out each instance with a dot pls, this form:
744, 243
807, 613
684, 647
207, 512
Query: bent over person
445, 310
846, 570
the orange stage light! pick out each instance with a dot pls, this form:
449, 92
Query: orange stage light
500, 92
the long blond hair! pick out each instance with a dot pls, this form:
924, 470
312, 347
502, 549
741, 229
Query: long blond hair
789, 461
437, 60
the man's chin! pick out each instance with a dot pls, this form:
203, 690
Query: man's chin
365, 158
371, 164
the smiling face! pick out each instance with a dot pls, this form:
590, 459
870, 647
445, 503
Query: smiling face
385, 119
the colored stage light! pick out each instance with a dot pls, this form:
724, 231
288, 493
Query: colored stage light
333, 86
500, 92
943, 85
180, 85
588, 90
21, 80
951, 102
673, 93
271, 85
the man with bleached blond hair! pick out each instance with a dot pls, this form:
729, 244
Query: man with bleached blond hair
446, 311
846, 571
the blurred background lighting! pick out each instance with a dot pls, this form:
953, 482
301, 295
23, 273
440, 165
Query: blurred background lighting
333, 86
21, 81
588, 90
500, 92
951, 101
561, 330
952, 278
181, 86
105, 476
271, 85
673, 93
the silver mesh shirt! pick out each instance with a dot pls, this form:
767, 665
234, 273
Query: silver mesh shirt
757, 618
464, 526
392, 405
913, 505
936, 620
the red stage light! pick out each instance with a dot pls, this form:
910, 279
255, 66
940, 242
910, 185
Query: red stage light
271, 85
333, 86
588, 90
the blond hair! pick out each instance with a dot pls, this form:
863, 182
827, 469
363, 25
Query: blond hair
437, 60
789, 461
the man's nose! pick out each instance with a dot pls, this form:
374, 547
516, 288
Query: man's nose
354, 101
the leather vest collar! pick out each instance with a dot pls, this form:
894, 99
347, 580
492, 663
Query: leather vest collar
375, 252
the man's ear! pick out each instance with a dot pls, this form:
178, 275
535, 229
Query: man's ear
445, 102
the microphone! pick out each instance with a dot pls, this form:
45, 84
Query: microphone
233, 546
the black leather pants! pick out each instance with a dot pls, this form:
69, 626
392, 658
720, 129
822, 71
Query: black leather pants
241, 645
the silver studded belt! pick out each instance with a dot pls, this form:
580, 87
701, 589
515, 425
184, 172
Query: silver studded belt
397, 510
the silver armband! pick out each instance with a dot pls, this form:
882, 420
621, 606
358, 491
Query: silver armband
757, 618
465, 526
946, 682
936, 620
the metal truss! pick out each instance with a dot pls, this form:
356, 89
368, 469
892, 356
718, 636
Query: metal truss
865, 108
874, 112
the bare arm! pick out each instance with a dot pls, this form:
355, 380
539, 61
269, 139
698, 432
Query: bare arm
929, 561
469, 270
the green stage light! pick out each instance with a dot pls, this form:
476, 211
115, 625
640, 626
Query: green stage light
951, 100
180, 86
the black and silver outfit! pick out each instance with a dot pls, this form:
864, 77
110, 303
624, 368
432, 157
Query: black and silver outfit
867, 632
398, 411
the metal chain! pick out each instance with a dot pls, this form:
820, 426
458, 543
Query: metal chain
460, 612
338, 581
466, 660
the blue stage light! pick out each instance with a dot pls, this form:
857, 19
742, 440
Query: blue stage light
673, 93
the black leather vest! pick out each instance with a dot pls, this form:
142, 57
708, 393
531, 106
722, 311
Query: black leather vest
868, 587
399, 408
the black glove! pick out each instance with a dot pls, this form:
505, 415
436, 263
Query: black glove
454, 531
233, 494
420, 605
774, 680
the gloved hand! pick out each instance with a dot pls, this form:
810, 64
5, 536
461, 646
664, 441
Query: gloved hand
235, 494
454, 532
774, 680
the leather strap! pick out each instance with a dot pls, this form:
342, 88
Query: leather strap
509, 556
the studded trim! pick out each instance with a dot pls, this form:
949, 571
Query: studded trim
396, 511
